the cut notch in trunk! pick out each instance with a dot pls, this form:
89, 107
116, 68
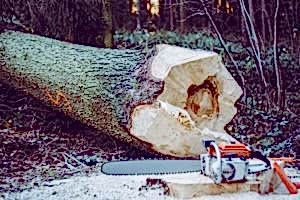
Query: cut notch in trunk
197, 94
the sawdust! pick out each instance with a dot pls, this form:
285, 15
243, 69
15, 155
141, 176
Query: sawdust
118, 187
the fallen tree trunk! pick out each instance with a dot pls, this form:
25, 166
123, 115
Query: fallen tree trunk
163, 100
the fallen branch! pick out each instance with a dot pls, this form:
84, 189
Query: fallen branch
84, 165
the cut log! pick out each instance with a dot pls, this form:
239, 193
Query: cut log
161, 100
193, 185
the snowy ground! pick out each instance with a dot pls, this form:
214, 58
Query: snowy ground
105, 187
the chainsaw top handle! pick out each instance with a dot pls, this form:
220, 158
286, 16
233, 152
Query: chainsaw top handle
216, 167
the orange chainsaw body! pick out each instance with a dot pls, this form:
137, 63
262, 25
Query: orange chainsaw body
227, 149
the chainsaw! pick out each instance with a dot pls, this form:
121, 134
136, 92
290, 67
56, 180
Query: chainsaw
226, 162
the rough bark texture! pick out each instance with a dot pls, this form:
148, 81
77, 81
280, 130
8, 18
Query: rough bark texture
96, 86
163, 99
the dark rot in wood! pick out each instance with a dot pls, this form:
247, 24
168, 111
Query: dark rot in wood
202, 99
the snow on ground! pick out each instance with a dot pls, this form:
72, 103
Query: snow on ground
105, 187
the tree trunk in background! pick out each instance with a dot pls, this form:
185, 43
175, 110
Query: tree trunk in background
162, 15
171, 12
143, 13
163, 101
107, 15
74, 21
263, 21
296, 27
121, 15
243, 27
251, 10
138, 17
181, 13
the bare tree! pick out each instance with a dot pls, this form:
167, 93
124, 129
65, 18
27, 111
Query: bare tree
253, 39
251, 9
277, 68
263, 23
107, 15
138, 20
171, 11
181, 6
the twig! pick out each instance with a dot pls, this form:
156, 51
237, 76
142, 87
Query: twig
8, 107
37, 109
192, 15
115, 153
66, 162
55, 139
84, 165
19, 100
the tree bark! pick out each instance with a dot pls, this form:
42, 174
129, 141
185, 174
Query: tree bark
163, 100
251, 10
107, 15
171, 13
263, 23
182, 16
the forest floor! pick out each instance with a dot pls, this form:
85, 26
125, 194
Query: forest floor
112, 187
39, 144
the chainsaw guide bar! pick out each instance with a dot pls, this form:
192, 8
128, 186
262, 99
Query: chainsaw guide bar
150, 167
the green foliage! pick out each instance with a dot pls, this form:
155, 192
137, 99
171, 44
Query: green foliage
264, 131
199, 40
